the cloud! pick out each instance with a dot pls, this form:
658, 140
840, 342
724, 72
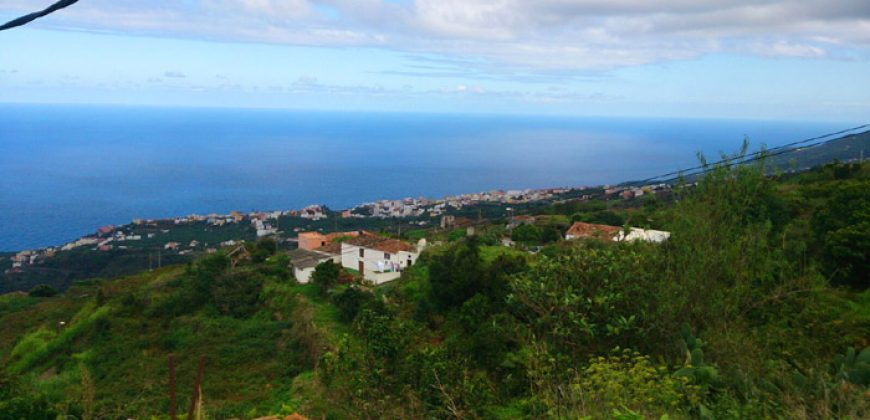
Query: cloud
509, 37
174, 75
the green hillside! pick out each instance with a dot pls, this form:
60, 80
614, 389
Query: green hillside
757, 307
847, 149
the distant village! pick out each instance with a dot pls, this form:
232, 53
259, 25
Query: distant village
266, 224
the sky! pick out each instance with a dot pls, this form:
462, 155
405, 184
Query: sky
769, 59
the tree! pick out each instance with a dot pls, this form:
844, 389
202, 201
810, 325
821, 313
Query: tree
325, 276
456, 275
842, 228
204, 272
527, 234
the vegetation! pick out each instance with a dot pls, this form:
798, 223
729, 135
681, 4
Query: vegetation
43, 290
325, 276
757, 307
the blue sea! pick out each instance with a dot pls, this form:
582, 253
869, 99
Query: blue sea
66, 169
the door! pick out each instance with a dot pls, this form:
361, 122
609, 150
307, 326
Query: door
361, 268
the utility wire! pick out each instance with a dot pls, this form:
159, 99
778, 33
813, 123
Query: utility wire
23, 20
777, 153
752, 157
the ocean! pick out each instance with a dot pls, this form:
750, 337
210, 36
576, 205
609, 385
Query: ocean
67, 170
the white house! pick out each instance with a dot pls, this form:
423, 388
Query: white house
304, 261
615, 233
648, 235
378, 259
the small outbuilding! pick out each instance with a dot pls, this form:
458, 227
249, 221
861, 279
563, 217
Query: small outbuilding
303, 262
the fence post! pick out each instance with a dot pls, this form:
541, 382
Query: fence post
196, 389
171, 388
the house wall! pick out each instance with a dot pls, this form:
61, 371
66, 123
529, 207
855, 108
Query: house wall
311, 240
303, 275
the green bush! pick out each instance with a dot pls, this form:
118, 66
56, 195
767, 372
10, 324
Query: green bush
43, 290
237, 293
17, 403
350, 301
325, 276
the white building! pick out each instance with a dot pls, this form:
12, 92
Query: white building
648, 235
378, 259
305, 261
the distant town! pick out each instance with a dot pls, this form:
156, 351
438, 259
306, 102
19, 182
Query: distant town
223, 230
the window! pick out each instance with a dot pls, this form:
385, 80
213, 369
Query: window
386, 255
362, 253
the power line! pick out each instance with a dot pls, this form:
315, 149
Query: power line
23, 20
752, 157
769, 155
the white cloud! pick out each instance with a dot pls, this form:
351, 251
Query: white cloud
535, 36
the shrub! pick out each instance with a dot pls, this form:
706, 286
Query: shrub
624, 381
456, 274
17, 403
237, 294
268, 245
529, 234
349, 302
325, 276
43, 290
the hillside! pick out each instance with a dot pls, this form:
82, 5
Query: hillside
758, 306
846, 149
121, 332
849, 148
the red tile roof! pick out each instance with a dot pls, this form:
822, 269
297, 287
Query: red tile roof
589, 230
381, 244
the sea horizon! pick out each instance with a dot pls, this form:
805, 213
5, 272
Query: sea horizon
72, 168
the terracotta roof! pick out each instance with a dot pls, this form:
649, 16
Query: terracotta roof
589, 230
394, 245
381, 244
331, 248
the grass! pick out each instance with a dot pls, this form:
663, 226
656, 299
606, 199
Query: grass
490, 253
40, 345
15, 302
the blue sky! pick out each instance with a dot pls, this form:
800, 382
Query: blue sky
677, 58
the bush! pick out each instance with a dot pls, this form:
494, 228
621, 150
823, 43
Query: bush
237, 294
43, 290
17, 403
455, 275
203, 274
627, 379
529, 234
268, 245
349, 302
325, 276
